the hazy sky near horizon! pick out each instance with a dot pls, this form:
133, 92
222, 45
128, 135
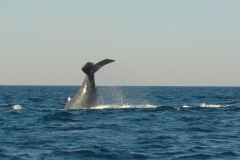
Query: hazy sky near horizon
155, 42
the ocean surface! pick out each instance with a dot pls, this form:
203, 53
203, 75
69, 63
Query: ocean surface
129, 123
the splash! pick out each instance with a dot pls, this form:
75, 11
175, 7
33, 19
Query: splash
116, 107
123, 106
17, 107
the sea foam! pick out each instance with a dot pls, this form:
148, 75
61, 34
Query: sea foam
17, 107
204, 105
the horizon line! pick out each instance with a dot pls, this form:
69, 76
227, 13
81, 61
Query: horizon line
121, 86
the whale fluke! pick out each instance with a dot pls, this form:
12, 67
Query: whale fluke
90, 68
98, 65
87, 94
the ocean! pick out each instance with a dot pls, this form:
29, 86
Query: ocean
129, 123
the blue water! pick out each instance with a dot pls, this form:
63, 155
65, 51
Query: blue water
128, 123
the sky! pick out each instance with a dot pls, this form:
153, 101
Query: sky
154, 42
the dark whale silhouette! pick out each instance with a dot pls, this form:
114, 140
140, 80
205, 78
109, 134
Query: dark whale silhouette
86, 97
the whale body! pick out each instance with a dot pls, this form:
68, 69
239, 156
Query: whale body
86, 97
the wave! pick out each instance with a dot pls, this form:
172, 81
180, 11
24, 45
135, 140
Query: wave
123, 106
117, 107
3, 105
17, 107
127, 106
185, 106
204, 105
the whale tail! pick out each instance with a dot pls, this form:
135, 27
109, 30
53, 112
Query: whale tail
90, 68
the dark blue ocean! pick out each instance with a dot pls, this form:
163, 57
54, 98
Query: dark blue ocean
129, 123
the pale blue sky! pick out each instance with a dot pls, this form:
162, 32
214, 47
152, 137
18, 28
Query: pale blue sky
154, 42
